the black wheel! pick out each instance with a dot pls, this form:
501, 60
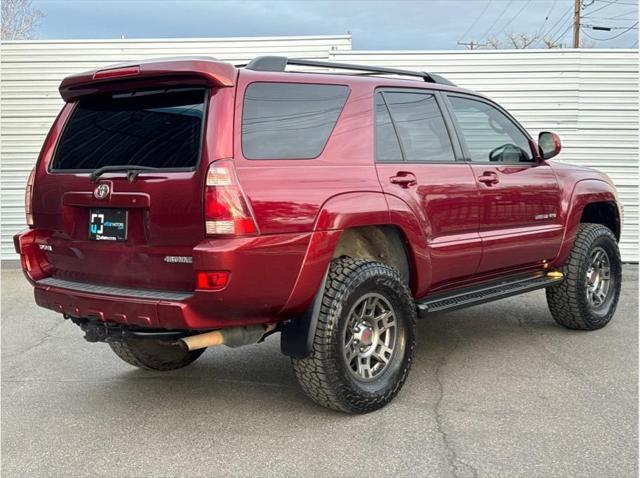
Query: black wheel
154, 354
588, 296
364, 339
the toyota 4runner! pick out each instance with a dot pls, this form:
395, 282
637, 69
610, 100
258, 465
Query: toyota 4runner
186, 203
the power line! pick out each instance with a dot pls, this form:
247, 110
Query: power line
562, 34
555, 25
614, 2
598, 9
475, 21
632, 27
630, 12
539, 30
514, 17
498, 19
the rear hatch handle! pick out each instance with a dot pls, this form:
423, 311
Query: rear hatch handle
132, 171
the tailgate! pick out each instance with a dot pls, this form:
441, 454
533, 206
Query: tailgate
123, 229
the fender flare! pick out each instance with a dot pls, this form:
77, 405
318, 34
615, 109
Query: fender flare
337, 214
584, 192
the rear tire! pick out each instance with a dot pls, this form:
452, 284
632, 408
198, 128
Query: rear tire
364, 340
154, 354
588, 296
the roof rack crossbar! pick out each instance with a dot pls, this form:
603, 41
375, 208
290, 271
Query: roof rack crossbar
279, 63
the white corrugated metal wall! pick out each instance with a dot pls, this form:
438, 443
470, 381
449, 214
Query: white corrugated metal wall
590, 97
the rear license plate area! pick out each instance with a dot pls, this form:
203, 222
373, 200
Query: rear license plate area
107, 224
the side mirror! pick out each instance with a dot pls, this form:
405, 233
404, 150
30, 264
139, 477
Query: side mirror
549, 145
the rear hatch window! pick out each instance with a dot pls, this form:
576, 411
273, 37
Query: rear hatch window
159, 128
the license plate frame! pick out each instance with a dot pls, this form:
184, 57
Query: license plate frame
108, 224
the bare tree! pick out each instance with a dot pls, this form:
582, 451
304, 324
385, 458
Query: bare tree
520, 41
494, 43
19, 19
551, 43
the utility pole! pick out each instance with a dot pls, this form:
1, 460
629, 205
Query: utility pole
472, 45
576, 23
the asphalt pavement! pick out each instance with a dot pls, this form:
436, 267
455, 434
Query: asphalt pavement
497, 390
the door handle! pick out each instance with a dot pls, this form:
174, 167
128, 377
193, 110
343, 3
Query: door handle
404, 179
489, 178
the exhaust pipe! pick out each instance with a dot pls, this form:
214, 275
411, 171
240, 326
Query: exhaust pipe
234, 337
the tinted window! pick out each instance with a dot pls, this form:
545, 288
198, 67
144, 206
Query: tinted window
420, 125
289, 120
489, 134
153, 128
387, 146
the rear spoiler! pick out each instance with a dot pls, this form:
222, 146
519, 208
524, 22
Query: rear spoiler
162, 72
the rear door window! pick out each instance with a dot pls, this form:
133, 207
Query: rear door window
418, 120
289, 120
161, 129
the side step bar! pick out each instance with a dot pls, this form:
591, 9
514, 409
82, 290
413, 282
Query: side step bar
468, 297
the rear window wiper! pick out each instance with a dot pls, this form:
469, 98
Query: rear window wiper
132, 171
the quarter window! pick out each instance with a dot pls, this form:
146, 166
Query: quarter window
420, 126
289, 120
489, 134
387, 146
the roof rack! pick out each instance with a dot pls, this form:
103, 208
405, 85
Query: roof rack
279, 63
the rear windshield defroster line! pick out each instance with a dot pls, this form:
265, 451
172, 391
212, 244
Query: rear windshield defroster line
160, 129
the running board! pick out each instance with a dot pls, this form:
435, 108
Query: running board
489, 292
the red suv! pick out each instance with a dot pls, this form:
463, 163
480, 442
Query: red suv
184, 203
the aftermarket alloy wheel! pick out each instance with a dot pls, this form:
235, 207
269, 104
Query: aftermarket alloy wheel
588, 296
364, 340
370, 337
154, 354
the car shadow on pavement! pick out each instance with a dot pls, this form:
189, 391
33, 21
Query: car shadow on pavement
262, 376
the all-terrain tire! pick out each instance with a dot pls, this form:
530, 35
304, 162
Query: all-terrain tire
568, 301
326, 375
153, 354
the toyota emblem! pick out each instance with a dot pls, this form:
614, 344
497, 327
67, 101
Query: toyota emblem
102, 191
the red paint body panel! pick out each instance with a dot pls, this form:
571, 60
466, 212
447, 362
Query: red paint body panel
513, 227
446, 204
458, 231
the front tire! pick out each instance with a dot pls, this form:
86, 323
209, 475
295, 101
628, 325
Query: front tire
364, 340
154, 354
588, 296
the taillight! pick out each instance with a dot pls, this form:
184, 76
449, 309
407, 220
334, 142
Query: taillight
28, 198
226, 209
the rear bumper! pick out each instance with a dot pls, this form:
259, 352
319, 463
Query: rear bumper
264, 271
134, 307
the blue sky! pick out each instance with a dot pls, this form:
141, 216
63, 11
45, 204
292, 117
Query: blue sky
375, 24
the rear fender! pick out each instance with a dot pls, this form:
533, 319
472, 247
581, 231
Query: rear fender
340, 213
337, 214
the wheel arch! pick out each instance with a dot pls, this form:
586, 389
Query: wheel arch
592, 200
360, 226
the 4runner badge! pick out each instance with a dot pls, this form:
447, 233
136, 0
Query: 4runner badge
102, 191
